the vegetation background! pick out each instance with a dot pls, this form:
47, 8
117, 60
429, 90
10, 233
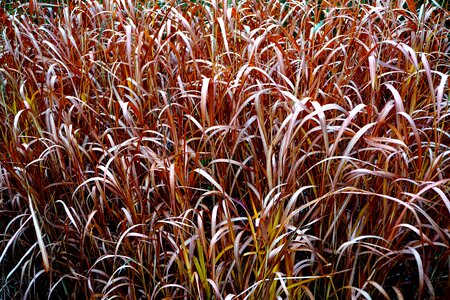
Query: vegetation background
224, 149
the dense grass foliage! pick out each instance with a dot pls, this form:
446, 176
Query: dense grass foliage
225, 149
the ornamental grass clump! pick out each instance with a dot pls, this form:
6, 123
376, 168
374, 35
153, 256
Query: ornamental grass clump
225, 149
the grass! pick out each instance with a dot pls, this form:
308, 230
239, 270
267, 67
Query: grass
225, 150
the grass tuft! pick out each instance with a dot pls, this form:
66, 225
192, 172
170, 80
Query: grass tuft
224, 149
